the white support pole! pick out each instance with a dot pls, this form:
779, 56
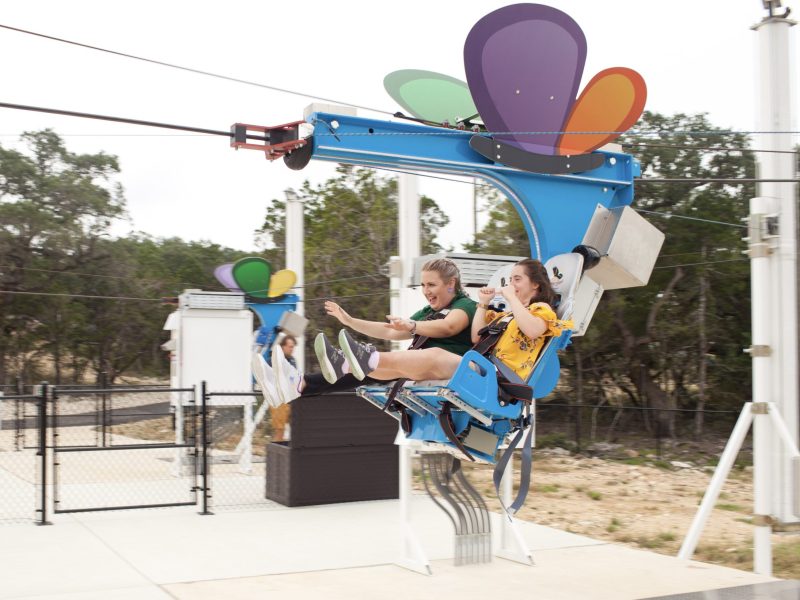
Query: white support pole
295, 261
413, 556
395, 285
246, 453
762, 498
512, 544
775, 110
408, 239
402, 303
717, 481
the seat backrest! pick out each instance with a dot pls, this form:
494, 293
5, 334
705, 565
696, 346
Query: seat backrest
564, 271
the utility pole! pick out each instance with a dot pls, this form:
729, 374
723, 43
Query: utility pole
295, 257
408, 231
776, 204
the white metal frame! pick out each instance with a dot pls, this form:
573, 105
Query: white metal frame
767, 425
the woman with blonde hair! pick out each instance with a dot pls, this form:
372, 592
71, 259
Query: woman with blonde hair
443, 324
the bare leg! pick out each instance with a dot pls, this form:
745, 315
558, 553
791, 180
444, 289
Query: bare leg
430, 363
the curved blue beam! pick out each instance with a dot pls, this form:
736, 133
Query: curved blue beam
555, 209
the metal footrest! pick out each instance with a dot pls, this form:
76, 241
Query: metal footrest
372, 399
414, 398
456, 401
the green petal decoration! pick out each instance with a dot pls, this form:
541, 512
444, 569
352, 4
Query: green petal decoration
430, 96
252, 275
281, 282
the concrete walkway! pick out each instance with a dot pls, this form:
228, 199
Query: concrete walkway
343, 551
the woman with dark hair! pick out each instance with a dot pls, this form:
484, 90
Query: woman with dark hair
530, 317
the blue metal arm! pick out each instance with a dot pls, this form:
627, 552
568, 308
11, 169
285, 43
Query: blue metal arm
555, 209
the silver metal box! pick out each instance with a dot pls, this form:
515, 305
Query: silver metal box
629, 246
587, 297
193, 299
476, 269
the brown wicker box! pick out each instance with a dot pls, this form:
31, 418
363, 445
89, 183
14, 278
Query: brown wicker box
339, 420
305, 476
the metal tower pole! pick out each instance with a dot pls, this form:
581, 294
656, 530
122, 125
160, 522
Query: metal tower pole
775, 113
294, 261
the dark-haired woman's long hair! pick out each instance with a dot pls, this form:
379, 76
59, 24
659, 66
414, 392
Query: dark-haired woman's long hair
538, 274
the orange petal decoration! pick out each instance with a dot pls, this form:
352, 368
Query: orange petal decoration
612, 101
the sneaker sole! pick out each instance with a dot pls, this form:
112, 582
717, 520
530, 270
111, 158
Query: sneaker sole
355, 368
325, 364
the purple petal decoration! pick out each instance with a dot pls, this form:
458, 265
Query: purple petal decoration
224, 275
524, 64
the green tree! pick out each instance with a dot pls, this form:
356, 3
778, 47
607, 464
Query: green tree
55, 206
350, 233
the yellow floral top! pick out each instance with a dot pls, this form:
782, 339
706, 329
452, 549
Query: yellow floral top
516, 349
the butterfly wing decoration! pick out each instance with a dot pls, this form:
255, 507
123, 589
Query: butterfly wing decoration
253, 276
431, 97
224, 274
524, 65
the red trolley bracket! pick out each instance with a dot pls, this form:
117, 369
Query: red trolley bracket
275, 142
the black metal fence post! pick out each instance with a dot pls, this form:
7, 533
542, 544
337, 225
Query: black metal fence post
42, 453
205, 442
103, 383
19, 414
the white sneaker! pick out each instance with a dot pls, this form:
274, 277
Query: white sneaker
287, 378
266, 379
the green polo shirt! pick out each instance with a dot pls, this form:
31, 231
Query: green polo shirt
460, 342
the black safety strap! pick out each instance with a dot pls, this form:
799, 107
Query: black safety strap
491, 334
526, 461
416, 343
446, 423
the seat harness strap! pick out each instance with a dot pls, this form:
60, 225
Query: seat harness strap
446, 423
526, 460
491, 334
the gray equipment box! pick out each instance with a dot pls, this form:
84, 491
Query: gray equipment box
629, 246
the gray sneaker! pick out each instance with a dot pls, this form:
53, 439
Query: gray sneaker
356, 354
331, 359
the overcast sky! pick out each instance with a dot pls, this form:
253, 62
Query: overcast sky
696, 56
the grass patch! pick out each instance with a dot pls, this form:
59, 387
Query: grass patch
594, 495
730, 507
547, 488
613, 525
785, 558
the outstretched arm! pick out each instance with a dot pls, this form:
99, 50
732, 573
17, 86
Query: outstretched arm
454, 323
374, 329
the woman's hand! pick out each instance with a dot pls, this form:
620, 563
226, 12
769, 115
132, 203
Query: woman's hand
336, 311
486, 294
399, 323
508, 292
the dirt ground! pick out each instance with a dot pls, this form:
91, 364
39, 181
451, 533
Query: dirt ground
649, 504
